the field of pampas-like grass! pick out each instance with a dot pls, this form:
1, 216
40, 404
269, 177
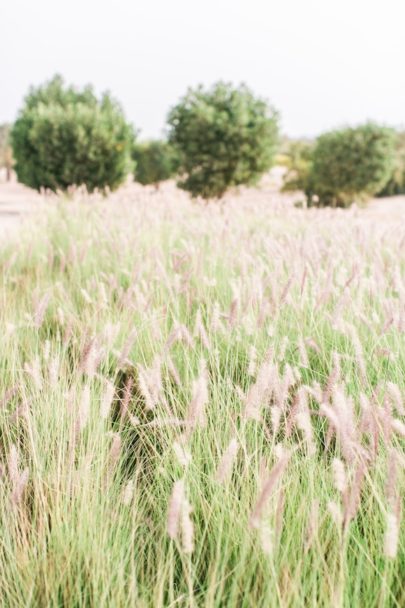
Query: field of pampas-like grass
202, 406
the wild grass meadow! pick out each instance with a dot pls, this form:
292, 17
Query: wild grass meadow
202, 406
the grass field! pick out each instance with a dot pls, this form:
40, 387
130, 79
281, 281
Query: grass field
202, 406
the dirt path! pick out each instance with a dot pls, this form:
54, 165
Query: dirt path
394, 206
16, 204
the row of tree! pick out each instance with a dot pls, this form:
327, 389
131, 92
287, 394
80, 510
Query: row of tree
217, 138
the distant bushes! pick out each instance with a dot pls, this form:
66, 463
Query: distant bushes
344, 165
155, 162
396, 182
6, 152
224, 137
64, 136
297, 160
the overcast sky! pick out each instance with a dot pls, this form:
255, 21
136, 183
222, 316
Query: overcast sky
322, 63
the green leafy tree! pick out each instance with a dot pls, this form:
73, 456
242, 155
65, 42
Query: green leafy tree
6, 152
224, 136
349, 164
396, 183
64, 136
156, 161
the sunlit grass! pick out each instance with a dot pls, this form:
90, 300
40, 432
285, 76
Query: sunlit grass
183, 309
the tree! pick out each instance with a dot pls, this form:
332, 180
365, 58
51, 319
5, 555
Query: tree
396, 182
6, 153
156, 161
64, 136
224, 137
350, 164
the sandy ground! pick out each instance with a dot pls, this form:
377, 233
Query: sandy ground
19, 204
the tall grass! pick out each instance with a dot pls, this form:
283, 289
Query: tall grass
202, 407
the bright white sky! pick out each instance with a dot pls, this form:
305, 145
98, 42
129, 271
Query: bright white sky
322, 63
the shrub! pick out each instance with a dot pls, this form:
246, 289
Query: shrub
64, 136
396, 183
155, 161
298, 164
350, 164
224, 137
